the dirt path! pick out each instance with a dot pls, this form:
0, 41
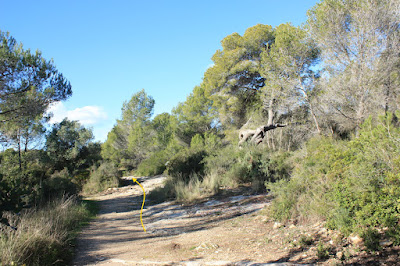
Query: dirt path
226, 231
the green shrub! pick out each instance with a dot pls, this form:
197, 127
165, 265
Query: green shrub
103, 177
186, 191
58, 185
20, 187
371, 238
353, 185
186, 163
154, 165
323, 251
204, 167
249, 165
305, 241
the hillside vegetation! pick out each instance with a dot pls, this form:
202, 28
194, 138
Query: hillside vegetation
309, 114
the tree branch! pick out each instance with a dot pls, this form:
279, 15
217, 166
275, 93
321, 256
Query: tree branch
257, 135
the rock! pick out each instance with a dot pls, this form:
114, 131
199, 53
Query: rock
205, 246
277, 225
356, 240
317, 225
339, 255
385, 243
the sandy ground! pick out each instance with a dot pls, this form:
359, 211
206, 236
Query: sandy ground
229, 229
225, 231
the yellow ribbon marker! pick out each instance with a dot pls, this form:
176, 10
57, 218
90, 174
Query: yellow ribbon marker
144, 197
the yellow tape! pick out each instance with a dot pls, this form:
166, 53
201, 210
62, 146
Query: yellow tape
141, 210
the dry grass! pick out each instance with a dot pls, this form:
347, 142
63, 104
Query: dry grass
44, 236
187, 192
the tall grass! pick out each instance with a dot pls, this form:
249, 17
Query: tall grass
43, 236
187, 191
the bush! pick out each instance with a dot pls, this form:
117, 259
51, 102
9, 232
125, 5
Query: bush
154, 165
103, 177
163, 193
58, 185
195, 174
186, 191
20, 187
251, 164
353, 185
43, 237
186, 163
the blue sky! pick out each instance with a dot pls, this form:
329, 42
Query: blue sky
110, 50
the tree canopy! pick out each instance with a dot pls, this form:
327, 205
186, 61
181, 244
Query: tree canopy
28, 82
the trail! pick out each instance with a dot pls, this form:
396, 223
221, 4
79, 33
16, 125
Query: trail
218, 231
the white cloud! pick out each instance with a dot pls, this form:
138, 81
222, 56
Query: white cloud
87, 115
58, 111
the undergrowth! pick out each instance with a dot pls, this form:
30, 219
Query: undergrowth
353, 185
103, 177
44, 236
196, 173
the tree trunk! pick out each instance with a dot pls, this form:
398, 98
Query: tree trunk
19, 150
271, 111
256, 136
311, 109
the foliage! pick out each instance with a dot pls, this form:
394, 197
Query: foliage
353, 185
187, 162
20, 187
33, 177
323, 251
59, 183
359, 41
165, 128
233, 82
28, 82
154, 165
128, 142
163, 193
251, 164
190, 160
288, 68
101, 178
187, 190
67, 145
43, 237
194, 116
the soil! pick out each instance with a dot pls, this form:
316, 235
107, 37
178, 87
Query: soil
232, 228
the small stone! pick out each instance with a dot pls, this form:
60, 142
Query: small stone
317, 225
277, 225
322, 231
385, 243
339, 255
355, 239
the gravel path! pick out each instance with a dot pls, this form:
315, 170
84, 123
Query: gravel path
226, 231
